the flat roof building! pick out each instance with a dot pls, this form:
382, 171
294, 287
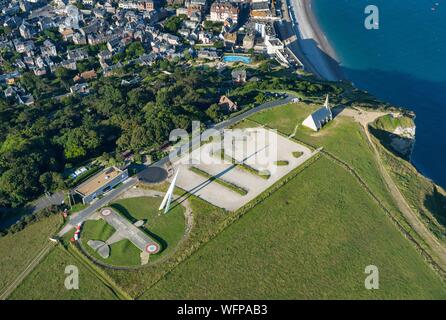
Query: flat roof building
101, 183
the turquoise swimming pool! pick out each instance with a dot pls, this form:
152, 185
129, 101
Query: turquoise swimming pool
234, 58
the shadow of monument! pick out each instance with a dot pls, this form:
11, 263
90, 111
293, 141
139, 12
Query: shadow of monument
188, 194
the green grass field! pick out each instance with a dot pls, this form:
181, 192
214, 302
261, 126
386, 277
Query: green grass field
122, 253
18, 249
166, 229
46, 282
310, 239
342, 137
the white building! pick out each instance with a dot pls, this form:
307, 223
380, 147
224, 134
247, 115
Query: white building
319, 118
222, 11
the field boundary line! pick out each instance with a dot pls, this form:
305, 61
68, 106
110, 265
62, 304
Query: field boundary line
104, 278
28, 269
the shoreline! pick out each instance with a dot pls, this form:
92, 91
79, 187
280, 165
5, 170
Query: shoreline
323, 59
314, 43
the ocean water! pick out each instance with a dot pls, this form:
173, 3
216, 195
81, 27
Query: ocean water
404, 63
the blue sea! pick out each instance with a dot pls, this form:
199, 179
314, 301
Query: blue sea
403, 62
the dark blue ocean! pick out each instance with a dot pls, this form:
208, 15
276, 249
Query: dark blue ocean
404, 63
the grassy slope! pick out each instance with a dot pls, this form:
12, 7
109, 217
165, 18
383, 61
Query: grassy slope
18, 249
311, 239
47, 281
425, 198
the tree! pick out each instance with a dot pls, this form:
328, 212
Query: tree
173, 24
20, 184
134, 50
63, 74
51, 181
78, 142
260, 98
215, 113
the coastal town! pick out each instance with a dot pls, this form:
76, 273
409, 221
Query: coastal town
90, 39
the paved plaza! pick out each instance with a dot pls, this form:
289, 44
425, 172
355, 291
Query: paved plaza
260, 149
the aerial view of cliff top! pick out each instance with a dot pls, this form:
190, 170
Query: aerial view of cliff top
237, 158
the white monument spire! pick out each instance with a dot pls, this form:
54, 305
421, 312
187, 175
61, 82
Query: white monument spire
326, 102
168, 197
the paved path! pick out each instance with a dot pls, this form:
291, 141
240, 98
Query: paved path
48, 201
11, 216
126, 229
114, 193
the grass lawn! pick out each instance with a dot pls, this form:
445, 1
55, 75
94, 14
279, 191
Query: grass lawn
284, 118
166, 229
122, 253
342, 137
46, 282
312, 238
97, 230
281, 163
206, 219
77, 207
18, 249
297, 154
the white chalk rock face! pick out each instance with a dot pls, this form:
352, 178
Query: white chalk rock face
404, 140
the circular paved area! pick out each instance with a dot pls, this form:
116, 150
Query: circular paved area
153, 175
106, 212
152, 247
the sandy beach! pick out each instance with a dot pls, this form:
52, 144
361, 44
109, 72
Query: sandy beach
313, 42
